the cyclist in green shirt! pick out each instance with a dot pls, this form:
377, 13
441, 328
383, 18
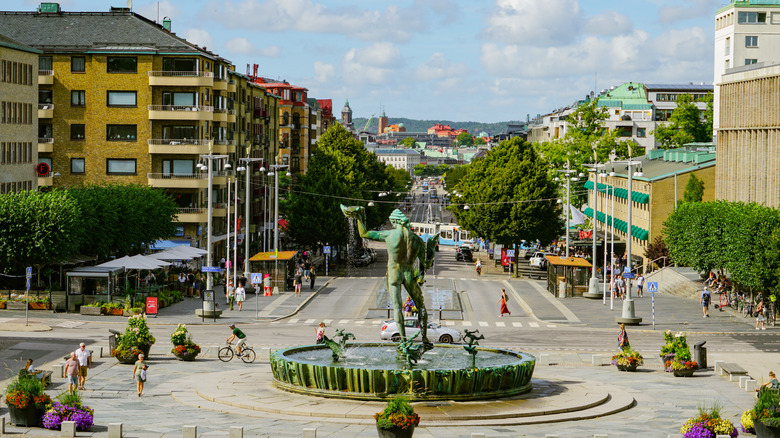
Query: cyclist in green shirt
237, 333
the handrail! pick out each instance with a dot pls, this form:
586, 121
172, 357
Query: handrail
191, 210
182, 74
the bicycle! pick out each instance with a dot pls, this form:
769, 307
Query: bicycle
225, 354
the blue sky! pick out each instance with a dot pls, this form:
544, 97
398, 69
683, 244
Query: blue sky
486, 60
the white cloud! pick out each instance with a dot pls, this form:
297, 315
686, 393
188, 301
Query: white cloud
438, 67
199, 37
533, 22
324, 72
609, 23
244, 47
391, 24
694, 9
375, 64
167, 9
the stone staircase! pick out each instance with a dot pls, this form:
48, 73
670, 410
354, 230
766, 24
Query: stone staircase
672, 282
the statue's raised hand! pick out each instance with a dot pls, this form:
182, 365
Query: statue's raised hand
352, 211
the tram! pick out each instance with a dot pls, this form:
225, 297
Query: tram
449, 234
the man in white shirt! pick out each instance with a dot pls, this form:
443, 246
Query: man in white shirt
85, 362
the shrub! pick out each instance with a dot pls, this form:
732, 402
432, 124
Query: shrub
398, 413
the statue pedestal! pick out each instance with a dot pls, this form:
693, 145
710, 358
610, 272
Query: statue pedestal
208, 310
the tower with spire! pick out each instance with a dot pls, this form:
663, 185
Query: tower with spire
346, 117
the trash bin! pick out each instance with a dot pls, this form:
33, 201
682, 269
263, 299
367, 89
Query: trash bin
700, 354
112, 340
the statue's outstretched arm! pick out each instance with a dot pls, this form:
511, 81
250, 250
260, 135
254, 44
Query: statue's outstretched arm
373, 235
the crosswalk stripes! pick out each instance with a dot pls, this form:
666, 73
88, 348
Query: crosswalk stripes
483, 324
327, 321
500, 324
517, 324
449, 323
466, 323
292, 321
343, 321
364, 322
376, 322
70, 324
533, 324
310, 321
360, 322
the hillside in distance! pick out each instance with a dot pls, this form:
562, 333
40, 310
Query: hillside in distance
414, 125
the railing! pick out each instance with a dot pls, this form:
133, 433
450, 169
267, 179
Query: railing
45, 106
191, 210
653, 266
179, 141
220, 78
225, 142
220, 110
176, 175
181, 108
45, 140
45, 72
231, 112
181, 74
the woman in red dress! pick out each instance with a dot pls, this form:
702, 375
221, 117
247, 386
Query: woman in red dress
502, 302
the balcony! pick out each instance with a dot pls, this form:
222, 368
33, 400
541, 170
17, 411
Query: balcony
231, 116
192, 215
224, 146
46, 180
220, 84
181, 146
231, 88
45, 77
45, 110
181, 112
178, 180
220, 209
220, 115
181, 79
45, 145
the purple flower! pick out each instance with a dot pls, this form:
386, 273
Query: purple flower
53, 418
698, 431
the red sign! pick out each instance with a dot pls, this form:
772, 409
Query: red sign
505, 261
151, 305
42, 169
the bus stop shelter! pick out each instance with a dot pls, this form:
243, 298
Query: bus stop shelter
280, 265
567, 277
89, 284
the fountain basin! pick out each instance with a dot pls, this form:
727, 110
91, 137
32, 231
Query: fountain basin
372, 371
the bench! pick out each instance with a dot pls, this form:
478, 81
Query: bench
733, 370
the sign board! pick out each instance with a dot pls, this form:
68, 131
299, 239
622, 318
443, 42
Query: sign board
326, 250
208, 295
209, 269
151, 305
652, 286
42, 169
510, 253
626, 269
629, 275
29, 272
256, 278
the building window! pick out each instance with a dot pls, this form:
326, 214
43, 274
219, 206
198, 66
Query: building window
77, 165
77, 64
750, 61
77, 132
751, 17
44, 63
662, 115
120, 166
180, 132
178, 99
45, 130
751, 41
121, 132
179, 64
641, 132
178, 167
77, 98
728, 46
44, 96
122, 98
122, 64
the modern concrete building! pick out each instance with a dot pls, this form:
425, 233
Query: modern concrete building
749, 136
404, 159
655, 195
19, 118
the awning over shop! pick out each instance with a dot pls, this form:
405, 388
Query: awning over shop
271, 256
579, 262
638, 197
136, 262
620, 225
165, 244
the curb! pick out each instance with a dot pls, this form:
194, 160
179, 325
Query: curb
303, 304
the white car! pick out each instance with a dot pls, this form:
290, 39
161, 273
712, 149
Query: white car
538, 260
470, 245
436, 333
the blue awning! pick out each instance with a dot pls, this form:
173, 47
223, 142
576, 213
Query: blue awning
165, 244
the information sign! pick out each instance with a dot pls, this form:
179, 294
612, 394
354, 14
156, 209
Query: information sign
652, 286
209, 269
326, 250
256, 278
151, 305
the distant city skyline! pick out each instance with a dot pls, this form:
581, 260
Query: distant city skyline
446, 59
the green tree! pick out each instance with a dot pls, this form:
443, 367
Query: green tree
408, 142
453, 176
465, 139
342, 172
37, 228
479, 141
510, 196
694, 189
400, 179
688, 124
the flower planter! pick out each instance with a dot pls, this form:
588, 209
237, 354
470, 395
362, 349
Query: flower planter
29, 416
40, 306
130, 313
2, 304
115, 312
16, 305
132, 358
395, 432
764, 431
89, 310
187, 357
630, 367
683, 373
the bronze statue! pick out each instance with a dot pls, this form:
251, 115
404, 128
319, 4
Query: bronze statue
403, 249
473, 341
338, 347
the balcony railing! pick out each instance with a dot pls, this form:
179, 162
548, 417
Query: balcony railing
45, 72
42, 140
179, 141
225, 142
176, 175
181, 74
220, 110
45, 106
231, 112
181, 108
192, 210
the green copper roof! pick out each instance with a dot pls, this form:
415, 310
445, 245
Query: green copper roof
750, 4
630, 93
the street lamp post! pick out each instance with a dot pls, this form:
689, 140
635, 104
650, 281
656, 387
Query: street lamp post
593, 286
569, 178
275, 173
629, 314
207, 307
247, 213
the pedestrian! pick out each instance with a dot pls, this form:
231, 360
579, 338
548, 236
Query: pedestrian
33, 373
320, 332
705, 302
190, 283
312, 277
267, 292
640, 285
139, 373
183, 282
623, 338
408, 306
72, 371
306, 266
502, 301
298, 281
773, 383
240, 295
760, 316
621, 286
196, 289
230, 293
85, 362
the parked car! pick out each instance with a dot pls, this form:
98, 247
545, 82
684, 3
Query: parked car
360, 259
436, 333
464, 253
470, 244
539, 261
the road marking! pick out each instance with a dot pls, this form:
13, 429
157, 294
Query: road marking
327, 321
292, 321
483, 324
551, 325
449, 323
376, 322
360, 322
310, 321
343, 321
68, 324
500, 324
517, 324
533, 324
466, 323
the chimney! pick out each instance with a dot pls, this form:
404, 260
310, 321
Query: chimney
166, 23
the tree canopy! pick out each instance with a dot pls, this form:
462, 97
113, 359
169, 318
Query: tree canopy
454, 175
408, 142
694, 189
465, 139
342, 172
688, 124
510, 196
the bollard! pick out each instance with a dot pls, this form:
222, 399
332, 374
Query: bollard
2, 425
68, 428
718, 366
596, 360
750, 386
189, 431
310, 432
114, 430
544, 359
742, 380
100, 352
238, 432
58, 371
